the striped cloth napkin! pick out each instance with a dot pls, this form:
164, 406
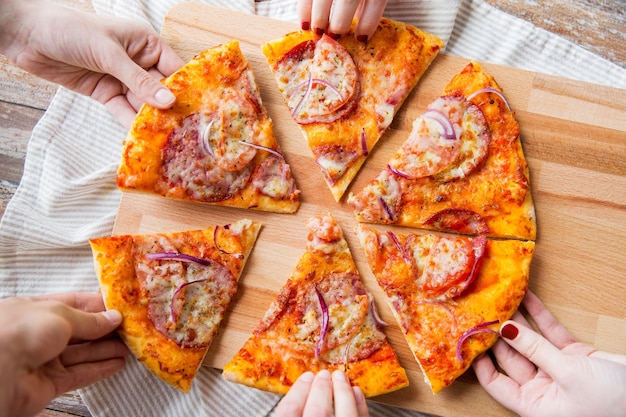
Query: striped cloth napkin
68, 192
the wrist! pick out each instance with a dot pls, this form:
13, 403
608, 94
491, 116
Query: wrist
15, 23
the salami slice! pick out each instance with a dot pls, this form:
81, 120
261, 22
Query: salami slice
458, 220
449, 140
434, 143
189, 163
319, 80
178, 292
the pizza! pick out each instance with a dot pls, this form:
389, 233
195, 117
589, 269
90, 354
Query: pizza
323, 318
343, 94
214, 145
462, 168
173, 290
448, 293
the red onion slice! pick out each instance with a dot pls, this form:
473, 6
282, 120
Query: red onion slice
377, 319
397, 172
490, 90
176, 293
480, 328
309, 85
204, 137
325, 319
364, 142
176, 256
386, 207
443, 121
330, 86
263, 148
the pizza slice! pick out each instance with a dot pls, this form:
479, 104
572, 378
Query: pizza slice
173, 290
323, 318
448, 293
343, 94
462, 168
214, 145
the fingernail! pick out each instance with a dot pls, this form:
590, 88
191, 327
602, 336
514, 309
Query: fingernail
358, 394
361, 38
340, 376
305, 25
335, 36
319, 32
113, 316
509, 331
164, 96
324, 374
307, 376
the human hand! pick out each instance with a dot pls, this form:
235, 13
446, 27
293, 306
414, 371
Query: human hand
54, 344
335, 16
552, 376
102, 57
312, 396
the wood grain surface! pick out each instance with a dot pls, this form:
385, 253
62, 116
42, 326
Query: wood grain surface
597, 25
573, 136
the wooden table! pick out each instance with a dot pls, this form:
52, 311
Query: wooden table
597, 25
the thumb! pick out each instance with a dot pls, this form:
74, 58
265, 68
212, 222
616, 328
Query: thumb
145, 86
534, 347
91, 326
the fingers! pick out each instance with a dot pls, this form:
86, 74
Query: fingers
93, 352
502, 388
345, 401
294, 401
148, 88
513, 363
91, 302
92, 326
369, 19
534, 347
361, 404
335, 17
546, 322
313, 396
319, 403
341, 17
84, 374
320, 15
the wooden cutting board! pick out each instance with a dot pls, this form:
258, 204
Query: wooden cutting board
573, 134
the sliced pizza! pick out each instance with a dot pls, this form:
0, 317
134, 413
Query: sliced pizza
343, 94
448, 293
462, 168
214, 145
173, 290
323, 318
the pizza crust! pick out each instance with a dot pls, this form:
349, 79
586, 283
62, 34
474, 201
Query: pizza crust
214, 145
289, 339
389, 65
116, 261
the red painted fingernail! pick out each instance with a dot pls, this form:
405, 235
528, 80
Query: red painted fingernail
306, 25
361, 38
319, 32
508, 331
334, 35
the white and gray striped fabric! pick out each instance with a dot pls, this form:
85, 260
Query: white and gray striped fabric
68, 191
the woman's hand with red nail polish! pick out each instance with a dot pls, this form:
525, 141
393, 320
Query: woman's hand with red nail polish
335, 16
551, 374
